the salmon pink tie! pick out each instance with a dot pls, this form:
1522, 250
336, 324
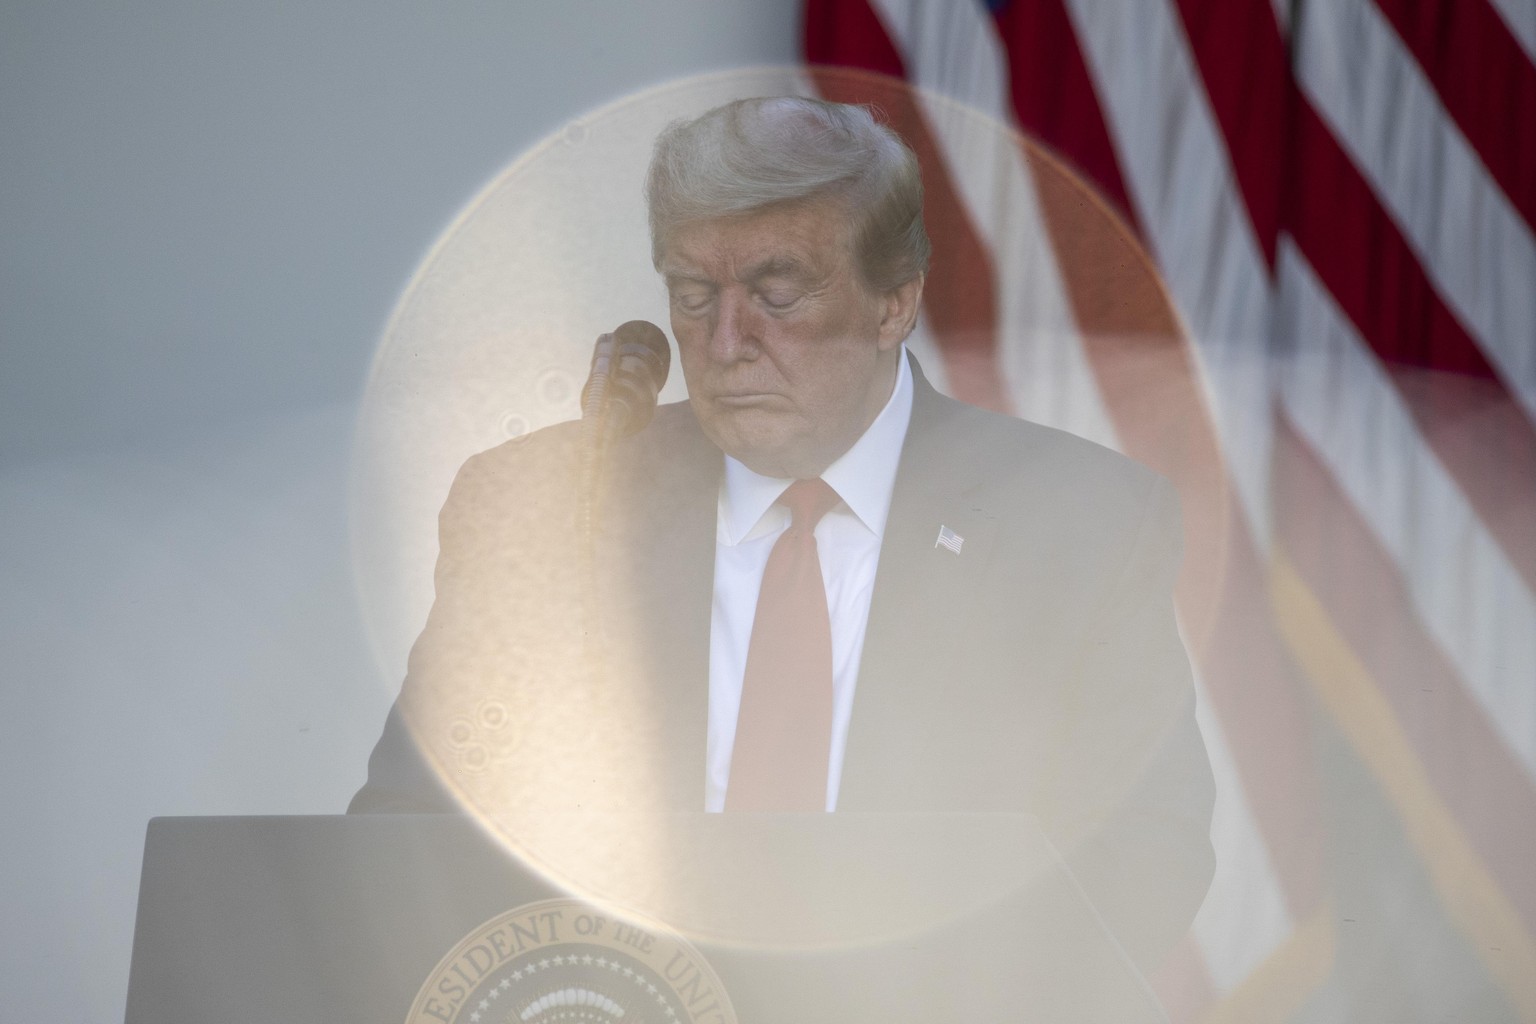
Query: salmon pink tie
784, 728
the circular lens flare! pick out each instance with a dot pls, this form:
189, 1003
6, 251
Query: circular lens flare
542, 723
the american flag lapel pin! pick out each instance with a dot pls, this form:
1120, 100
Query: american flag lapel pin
949, 539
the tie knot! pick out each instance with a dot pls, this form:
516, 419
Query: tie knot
808, 501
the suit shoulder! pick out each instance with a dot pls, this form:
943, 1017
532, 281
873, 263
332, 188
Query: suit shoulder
549, 459
537, 469
671, 424
1106, 516
1038, 456
558, 442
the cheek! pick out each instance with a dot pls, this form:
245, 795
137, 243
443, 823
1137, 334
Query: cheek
689, 349
699, 373
683, 331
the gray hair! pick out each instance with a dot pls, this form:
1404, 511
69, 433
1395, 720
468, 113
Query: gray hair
749, 155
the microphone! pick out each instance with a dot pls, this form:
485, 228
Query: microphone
629, 368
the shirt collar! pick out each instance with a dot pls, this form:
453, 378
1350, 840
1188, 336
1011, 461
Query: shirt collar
863, 476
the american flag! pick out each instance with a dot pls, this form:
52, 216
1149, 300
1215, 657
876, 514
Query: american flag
1340, 198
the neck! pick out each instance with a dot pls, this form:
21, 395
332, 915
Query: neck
878, 395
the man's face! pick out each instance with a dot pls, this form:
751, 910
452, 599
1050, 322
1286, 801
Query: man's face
787, 354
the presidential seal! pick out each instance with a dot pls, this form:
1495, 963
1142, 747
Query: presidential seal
567, 962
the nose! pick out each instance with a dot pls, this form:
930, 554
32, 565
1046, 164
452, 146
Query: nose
737, 326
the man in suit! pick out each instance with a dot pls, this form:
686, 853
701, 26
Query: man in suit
817, 584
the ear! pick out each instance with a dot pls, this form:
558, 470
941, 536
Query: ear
899, 312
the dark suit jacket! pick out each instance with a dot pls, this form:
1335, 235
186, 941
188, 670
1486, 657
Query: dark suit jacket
1038, 670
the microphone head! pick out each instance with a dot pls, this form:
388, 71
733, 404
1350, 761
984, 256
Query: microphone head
635, 360
643, 353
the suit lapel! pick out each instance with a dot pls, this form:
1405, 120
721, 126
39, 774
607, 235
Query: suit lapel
922, 595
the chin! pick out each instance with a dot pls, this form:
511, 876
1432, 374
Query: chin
767, 459
735, 435
784, 465
758, 459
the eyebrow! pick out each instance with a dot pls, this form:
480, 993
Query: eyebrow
778, 266
773, 266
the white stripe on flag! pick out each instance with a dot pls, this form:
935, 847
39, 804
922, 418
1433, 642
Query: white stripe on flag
1469, 598
950, 49
1520, 16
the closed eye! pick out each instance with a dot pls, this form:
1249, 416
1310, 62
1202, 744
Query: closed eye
692, 300
780, 300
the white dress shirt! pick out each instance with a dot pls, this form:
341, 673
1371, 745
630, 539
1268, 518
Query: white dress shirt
848, 546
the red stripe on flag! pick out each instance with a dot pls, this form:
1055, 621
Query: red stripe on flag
1054, 97
1466, 414
1151, 389
849, 33
1366, 597
959, 299
1485, 80
1239, 46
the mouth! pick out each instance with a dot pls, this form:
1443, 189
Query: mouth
745, 399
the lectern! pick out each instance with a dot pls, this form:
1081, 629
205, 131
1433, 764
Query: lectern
775, 918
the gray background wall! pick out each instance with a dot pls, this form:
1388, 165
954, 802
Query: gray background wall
206, 213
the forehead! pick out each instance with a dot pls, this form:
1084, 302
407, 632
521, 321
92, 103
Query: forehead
814, 237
